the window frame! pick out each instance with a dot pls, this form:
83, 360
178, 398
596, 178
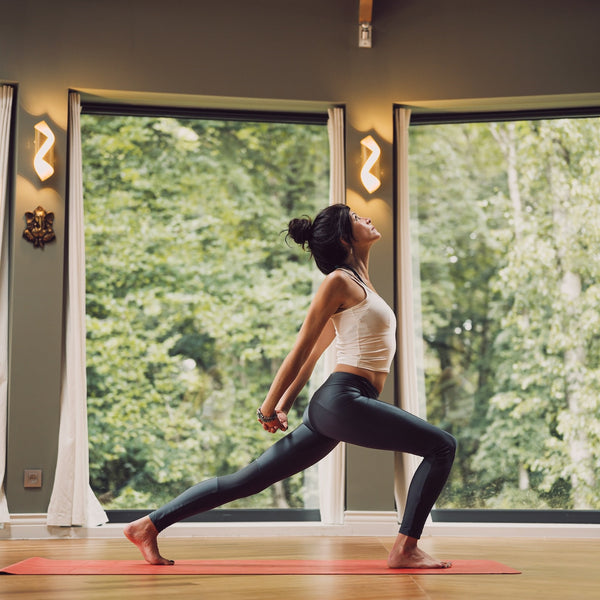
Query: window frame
421, 117
217, 515
134, 110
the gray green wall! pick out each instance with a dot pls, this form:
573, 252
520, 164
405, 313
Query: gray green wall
283, 54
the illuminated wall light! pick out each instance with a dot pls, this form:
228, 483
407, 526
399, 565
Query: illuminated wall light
370, 153
43, 162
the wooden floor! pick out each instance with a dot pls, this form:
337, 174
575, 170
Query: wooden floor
552, 569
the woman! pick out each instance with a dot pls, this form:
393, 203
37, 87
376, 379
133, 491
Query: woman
345, 408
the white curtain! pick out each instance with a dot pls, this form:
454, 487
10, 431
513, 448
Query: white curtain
72, 501
406, 357
6, 97
337, 156
332, 469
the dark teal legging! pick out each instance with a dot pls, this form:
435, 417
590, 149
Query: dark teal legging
344, 409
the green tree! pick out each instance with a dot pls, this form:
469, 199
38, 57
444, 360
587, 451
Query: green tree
457, 189
547, 392
193, 297
507, 218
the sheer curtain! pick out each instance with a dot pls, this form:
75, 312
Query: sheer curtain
6, 98
72, 501
332, 468
337, 156
408, 307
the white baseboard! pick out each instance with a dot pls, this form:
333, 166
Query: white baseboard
356, 523
514, 530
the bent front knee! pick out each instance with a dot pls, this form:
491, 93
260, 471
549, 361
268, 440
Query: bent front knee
447, 448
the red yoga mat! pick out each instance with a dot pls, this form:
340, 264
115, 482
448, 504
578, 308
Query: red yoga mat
47, 566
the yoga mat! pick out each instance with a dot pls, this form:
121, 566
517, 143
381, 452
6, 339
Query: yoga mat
47, 566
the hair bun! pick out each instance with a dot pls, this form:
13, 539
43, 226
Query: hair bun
300, 230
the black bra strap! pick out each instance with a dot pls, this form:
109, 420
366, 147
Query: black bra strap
349, 268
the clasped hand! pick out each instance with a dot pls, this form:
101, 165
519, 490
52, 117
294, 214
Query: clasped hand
281, 422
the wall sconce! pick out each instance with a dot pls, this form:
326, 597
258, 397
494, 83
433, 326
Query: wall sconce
365, 29
365, 35
370, 153
43, 161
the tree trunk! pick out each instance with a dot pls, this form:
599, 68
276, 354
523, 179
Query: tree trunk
279, 497
582, 472
582, 477
506, 138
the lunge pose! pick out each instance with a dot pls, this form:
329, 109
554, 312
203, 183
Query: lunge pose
344, 409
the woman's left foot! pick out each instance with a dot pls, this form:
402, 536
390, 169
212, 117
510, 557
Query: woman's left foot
143, 534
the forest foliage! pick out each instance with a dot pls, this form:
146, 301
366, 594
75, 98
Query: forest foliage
507, 217
193, 296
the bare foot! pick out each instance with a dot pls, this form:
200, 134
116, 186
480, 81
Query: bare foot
143, 534
407, 555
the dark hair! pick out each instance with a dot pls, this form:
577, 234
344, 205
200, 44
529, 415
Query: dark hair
324, 236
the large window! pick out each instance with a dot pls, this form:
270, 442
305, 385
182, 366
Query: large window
508, 229
193, 295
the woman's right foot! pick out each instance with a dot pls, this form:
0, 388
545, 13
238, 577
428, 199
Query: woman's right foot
144, 535
416, 560
407, 555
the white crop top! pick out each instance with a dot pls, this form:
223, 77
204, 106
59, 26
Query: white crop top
366, 333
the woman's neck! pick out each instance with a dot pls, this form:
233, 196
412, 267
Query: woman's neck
360, 266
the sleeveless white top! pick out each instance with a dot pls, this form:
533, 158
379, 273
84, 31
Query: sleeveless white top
366, 332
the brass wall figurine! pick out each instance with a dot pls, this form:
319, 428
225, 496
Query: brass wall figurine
39, 227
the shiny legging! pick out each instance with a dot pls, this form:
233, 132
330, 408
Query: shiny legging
344, 409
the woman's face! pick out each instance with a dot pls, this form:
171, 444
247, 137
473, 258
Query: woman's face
363, 230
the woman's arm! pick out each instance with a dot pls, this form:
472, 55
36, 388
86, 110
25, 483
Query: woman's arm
313, 338
289, 396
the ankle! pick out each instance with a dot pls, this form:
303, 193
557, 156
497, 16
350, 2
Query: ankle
405, 543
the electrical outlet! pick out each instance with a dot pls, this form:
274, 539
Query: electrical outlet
32, 478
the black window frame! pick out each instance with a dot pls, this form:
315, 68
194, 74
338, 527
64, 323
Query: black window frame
217, 515
421, 117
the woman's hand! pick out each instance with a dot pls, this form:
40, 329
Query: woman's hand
279, 422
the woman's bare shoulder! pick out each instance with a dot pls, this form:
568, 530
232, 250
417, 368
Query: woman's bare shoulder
337, 285
337, 280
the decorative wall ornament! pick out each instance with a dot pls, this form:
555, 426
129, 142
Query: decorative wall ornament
39, 227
